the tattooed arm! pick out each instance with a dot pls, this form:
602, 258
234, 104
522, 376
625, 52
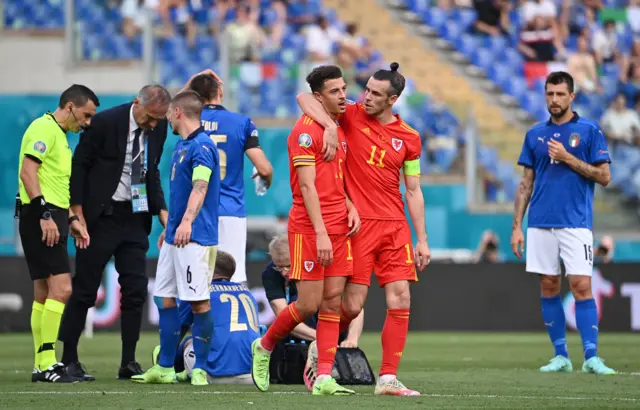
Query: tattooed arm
523, 196
599, 173
196, 199
525, 190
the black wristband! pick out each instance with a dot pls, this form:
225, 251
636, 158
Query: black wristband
40, 204
73, 218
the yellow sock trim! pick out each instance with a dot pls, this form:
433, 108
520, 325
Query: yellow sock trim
51, 318
36, 330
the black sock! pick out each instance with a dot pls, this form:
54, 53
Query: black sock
70, 353
128, 352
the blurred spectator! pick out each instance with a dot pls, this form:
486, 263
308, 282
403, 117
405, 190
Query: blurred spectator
370, 62
488, 251
631, 87
605, 41
244, 37
133, 18
538, 41
582, 66
275, 22
493, 17
620, 123
301, 13
628, 63
221, 12
321, 38
544, 9
176, 16
633, 16
604, 251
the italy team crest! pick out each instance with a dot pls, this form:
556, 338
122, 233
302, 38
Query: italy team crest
396, 143
574, 140
308, 265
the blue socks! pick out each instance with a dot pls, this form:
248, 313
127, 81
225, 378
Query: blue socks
202, 332
169, 335
587, 323
554, 321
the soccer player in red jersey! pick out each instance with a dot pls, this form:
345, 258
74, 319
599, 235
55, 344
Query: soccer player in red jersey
380, 145
321, 221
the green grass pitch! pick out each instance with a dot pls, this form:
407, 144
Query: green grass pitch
452, 370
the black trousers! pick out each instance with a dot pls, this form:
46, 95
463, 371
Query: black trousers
121, 234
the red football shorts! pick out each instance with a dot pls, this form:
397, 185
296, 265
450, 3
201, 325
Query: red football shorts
304, 257
384, 247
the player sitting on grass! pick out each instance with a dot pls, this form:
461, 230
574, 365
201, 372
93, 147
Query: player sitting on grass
235, 327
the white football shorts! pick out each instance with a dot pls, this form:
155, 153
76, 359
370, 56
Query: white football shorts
189, 356
232, 238
545, 248
185, 273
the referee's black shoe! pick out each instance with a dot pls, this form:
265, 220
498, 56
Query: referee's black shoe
57, 374
130, 370
77, 370
37, 376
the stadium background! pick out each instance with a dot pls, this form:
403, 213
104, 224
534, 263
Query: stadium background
471, 96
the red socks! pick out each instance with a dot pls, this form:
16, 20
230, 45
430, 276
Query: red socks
394, 337
327, 340
345, 320
286, 321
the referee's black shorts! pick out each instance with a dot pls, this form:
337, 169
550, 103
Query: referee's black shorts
44, 261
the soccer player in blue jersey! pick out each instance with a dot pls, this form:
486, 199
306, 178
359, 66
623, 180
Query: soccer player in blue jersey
235, 135
235, 327
563, 158
188, 254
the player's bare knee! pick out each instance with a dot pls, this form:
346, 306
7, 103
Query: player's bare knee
398, 295
550, 285
168, 303
331, 302
580, 286
40, 290
60, 288
200, 306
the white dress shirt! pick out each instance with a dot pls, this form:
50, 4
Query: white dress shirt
123, 192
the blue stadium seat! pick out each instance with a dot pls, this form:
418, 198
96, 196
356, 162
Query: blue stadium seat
435, 18
467, 45
465, 17
483, 58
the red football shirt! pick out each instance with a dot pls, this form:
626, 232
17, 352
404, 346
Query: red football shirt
376, 155
305, 147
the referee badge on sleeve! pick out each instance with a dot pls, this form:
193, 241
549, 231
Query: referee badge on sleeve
40, 146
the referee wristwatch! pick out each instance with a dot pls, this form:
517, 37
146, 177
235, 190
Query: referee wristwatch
46, 215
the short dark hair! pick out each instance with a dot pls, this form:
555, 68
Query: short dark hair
205, 85
189, 102
396, 80
319, 75
559, 77
225, 265
79, 95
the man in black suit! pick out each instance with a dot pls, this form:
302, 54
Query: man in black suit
118, 155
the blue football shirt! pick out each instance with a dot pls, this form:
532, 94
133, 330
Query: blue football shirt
562, 198
235, 327
196, 150
233, 134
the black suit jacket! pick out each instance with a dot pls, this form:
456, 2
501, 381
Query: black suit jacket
99, 158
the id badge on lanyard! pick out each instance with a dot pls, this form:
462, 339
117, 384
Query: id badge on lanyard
139, 199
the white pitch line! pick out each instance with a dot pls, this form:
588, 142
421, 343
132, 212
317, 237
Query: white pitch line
224, 393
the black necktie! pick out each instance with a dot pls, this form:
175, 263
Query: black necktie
136, 155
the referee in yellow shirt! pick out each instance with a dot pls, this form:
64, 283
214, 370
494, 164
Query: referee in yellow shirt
43, 209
